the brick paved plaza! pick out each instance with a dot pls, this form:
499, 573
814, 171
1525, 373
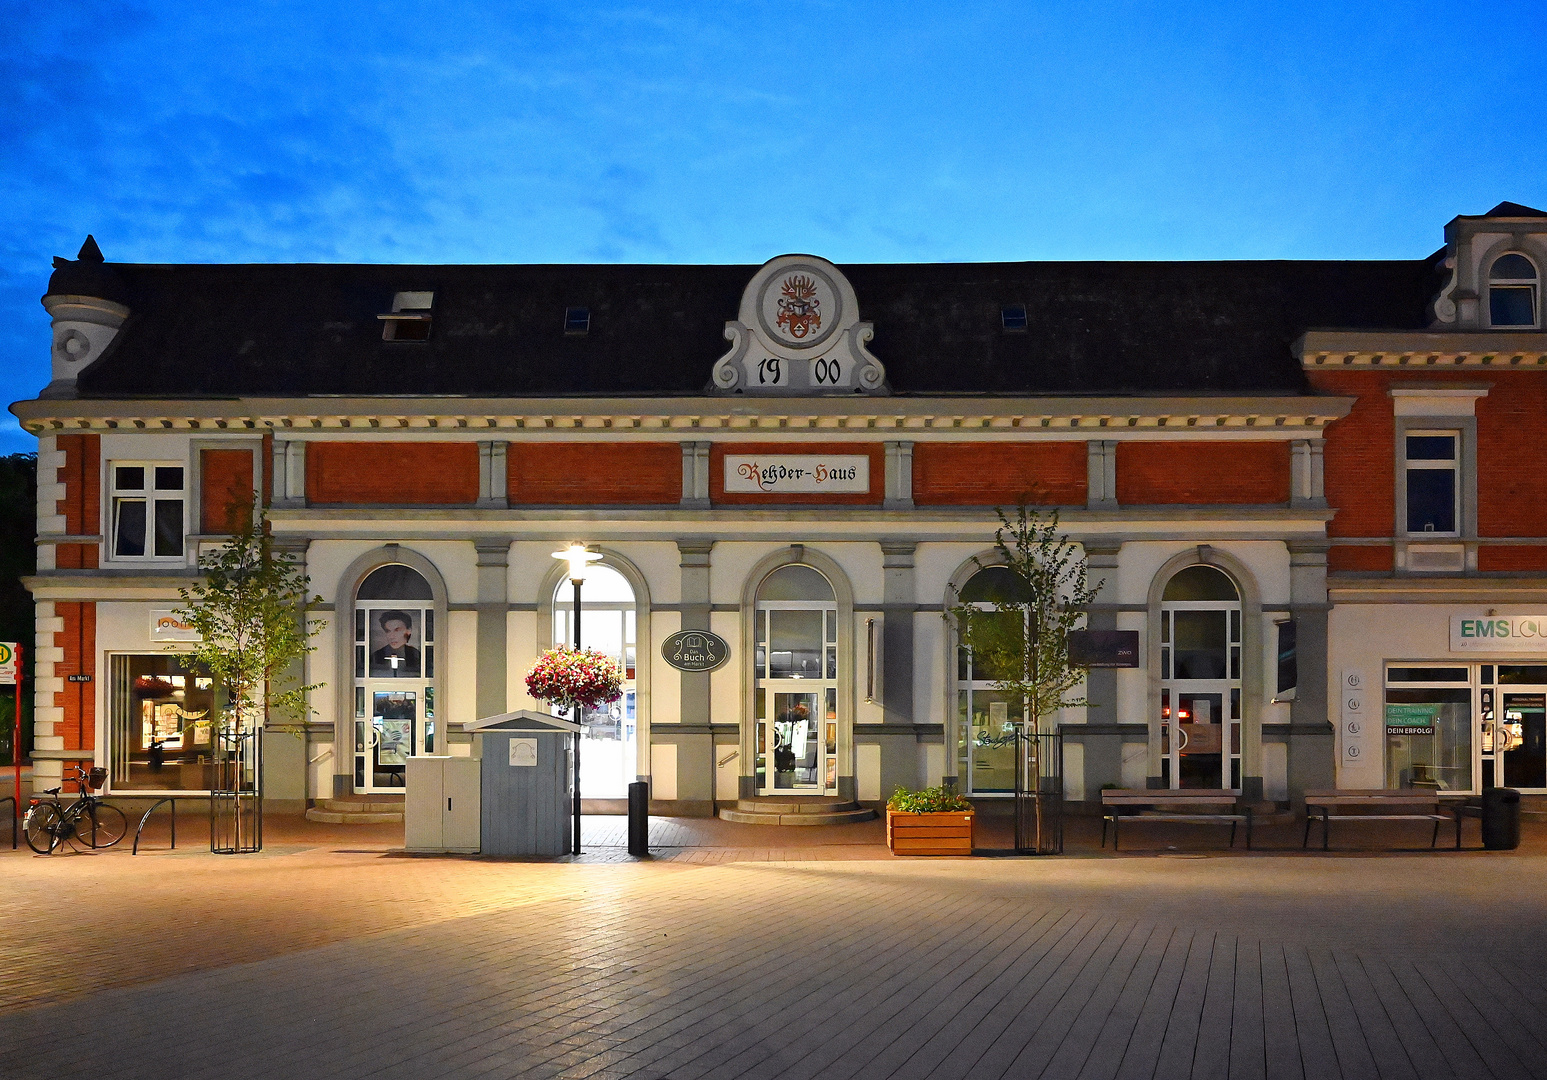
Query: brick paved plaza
774, 953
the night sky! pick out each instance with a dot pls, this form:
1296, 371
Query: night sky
732, 132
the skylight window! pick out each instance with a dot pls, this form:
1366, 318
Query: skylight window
1012, 317
409, 319
577, 320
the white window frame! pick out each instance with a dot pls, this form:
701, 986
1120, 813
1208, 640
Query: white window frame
1453, 465
1533, 283
150, 495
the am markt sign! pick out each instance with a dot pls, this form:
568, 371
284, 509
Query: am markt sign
695, 650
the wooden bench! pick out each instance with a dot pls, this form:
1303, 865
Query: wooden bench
1404, 804
1192, 806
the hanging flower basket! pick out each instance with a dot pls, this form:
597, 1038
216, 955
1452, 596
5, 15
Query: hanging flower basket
568, 677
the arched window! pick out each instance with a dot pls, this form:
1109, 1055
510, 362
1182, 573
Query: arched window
1512, 298
608, 624
988, 717
795, 695
394, 673
1200, 672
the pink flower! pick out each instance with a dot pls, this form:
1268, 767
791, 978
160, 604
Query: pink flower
568, 677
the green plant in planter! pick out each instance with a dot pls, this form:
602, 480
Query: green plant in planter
934, 800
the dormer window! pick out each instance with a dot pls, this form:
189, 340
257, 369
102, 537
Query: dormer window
409, 319
1012, 318
577, 321
1512, 295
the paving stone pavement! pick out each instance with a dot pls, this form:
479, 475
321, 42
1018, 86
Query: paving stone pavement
317, 960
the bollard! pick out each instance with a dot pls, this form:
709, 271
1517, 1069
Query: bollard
639, 818
1501, 819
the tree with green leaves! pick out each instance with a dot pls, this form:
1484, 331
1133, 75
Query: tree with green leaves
250, 611
1023, 636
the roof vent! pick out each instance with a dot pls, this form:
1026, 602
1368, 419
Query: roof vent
1013, 318
577, 321
409, 319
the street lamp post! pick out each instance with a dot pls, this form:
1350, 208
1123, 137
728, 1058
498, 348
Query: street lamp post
578, 558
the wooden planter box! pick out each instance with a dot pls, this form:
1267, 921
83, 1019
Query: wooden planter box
930, 834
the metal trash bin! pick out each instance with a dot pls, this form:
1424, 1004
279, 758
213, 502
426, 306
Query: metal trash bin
1501, 819
526, 783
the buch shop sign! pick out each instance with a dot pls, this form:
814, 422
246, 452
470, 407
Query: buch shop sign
776, 474
1498, 633
1411, 719
695, 650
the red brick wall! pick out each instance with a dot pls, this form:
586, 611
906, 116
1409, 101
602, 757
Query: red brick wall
1359, 464
82, 502
1350, 557
392, 473
225, 489
1202, 473
999, 474
603, 474
1526, 557
875, 451
78, 640
1512, 457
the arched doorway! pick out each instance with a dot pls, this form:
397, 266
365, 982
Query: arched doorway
987, 718
609, 624
1200, 673
394, 676
795, 683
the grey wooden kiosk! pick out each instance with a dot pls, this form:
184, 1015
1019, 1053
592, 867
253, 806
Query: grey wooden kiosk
527, 801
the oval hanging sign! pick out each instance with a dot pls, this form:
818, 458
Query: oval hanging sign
695, 650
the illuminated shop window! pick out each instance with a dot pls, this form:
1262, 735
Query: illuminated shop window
162, 708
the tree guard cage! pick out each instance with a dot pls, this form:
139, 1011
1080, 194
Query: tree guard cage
236, 795
1039, 792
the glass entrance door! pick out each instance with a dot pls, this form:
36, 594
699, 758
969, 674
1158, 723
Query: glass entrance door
796, 698
394, 692
401, 724
1522, 736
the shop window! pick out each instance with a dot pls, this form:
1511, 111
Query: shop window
146, 501
1512, 298
608, 624
162, 710
1428, 728
1431, 469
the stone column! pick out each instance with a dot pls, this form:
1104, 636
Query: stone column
1312, 749
899, 601
1104, 741
493, 600
695, 782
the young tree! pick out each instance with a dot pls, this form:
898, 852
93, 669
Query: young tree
1025, 640
250, 612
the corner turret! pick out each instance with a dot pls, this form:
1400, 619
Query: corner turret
89, 304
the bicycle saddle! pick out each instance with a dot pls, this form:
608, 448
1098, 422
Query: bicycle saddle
51, 791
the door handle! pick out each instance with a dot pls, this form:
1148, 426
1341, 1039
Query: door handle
448, 806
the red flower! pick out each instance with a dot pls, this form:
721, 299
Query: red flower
568, 677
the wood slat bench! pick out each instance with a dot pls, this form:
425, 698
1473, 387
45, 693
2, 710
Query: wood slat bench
1404, 804
1191, 806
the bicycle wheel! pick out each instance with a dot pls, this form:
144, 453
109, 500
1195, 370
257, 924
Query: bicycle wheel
110, 825
39, 826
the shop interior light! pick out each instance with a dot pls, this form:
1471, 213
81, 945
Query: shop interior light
577, 557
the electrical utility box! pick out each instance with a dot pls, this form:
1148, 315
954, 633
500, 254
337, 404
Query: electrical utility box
441, 804
527, 766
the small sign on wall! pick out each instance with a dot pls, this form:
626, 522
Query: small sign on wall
523, 753
1354, 725
806, 474
1104, 648
167, 625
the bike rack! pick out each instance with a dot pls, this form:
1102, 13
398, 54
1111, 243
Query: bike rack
146, 818
15, 813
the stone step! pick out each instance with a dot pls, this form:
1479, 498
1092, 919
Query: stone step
796, 811
362, 804
354, 817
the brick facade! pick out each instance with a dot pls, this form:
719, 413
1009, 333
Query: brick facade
585, 474
392, 473
1202, 473
999, 474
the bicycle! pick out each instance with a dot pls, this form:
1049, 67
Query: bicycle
88, 823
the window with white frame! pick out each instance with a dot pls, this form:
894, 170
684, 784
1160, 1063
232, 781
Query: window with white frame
1512, 291
147, 501
1432, 466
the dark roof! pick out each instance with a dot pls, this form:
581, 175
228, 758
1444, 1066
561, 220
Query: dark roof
1514, 209
1092, 328
86, 275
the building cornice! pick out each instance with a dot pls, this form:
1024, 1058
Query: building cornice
1264, 416
1321, 350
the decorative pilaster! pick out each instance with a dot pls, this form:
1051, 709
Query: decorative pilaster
493, 573
492, 475
1101, 474
1306, 478
695, 479
288, 474
899, 476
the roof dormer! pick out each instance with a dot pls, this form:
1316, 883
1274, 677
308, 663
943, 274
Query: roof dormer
1495, 263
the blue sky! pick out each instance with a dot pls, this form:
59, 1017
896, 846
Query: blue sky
731, 132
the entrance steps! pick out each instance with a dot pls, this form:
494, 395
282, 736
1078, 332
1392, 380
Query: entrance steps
796, 810
358, 810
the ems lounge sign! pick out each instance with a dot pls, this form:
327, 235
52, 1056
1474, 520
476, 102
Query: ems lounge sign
1498, 633
805, 474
